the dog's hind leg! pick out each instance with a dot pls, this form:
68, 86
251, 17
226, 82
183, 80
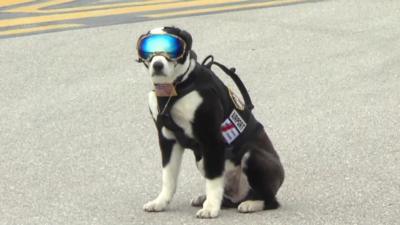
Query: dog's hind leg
198, 201
265, 175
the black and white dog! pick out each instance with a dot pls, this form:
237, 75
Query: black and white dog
231, 148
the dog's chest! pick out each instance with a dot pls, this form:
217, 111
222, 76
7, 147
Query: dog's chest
182, 112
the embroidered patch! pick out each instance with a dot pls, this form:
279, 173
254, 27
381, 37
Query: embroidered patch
232, 127
165, 90
238, 121
229, 131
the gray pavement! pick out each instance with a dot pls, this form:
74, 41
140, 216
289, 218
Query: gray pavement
29, 17
77, 145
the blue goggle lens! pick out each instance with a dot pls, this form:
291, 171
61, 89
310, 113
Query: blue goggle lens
169, 45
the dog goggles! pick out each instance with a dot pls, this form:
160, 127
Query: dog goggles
168, 45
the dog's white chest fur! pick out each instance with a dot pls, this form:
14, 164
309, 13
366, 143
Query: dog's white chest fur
182, 112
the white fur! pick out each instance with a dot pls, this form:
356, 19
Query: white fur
169, 180
171, 70
214, 193
153, 105
184, 110
245, 157
236, 185
168, 134
229, 166
158, 30
183, 113
251, 206
167, 74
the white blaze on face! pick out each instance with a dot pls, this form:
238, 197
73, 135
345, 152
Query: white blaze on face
167, 73
171, 70
158, 30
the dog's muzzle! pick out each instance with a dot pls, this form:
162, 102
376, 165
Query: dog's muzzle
158, 67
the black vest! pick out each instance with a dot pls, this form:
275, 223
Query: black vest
203, 77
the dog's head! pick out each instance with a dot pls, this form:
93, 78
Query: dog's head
167, 53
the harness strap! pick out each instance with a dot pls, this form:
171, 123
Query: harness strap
231, 73
179, 133
165, 120
180, 77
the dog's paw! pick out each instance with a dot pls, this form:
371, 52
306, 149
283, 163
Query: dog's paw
198, 201
251, 206
155, 206
206, 213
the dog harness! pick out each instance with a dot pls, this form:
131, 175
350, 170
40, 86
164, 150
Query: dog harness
239, 123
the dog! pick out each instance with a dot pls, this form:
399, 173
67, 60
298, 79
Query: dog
193, 109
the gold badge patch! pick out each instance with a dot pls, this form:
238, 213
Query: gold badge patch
239, 104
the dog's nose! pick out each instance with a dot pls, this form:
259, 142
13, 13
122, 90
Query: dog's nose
158, 66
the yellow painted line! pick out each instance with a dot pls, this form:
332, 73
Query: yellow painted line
38, 29
4, 3
222, 8
108, 12
37, 6
83, 8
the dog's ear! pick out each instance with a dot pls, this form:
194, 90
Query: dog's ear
181, 33
185, 36
188, 39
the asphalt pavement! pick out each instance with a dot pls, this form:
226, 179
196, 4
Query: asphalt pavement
77, 144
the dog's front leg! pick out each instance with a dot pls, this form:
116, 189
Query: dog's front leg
213, 167
171, 153
214, 194
207, 131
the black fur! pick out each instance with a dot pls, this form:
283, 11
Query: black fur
263, 167
264, 170
185, 36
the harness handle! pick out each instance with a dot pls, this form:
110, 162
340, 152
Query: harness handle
231, 73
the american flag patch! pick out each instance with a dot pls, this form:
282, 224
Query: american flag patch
232, 127
229, 131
